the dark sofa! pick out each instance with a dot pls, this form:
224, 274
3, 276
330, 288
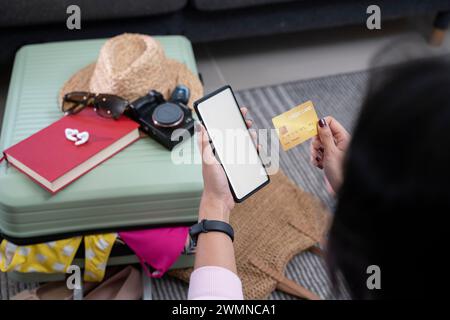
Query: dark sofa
23, 22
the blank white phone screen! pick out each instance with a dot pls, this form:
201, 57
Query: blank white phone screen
232, 142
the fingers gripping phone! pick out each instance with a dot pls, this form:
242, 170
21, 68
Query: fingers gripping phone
233, 145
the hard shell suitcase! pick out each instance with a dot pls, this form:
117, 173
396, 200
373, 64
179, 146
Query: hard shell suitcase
139, 187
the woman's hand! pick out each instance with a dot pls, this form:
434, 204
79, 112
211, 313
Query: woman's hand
217, 201
328, 150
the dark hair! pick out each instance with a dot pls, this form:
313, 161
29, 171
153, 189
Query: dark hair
396, 182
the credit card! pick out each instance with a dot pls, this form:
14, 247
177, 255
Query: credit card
296, 125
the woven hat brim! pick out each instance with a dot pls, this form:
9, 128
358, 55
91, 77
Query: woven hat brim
177, 71
77, 82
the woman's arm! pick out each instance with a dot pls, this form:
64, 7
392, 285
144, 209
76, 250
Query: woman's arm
214, 275
214, 248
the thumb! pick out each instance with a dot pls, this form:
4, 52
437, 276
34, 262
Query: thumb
325, 135
206, 151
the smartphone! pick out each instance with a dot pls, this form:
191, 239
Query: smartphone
232, 143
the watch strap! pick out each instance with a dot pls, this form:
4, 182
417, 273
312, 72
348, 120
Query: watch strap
206, 226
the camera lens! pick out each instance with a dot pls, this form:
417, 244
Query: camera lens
167, 115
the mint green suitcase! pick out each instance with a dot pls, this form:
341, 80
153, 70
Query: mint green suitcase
138, 188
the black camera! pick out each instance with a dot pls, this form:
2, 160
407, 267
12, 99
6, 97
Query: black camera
160, 118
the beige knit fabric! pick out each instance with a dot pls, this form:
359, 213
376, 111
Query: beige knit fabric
129, 65
272, 226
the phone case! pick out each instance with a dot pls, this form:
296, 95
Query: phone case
206, 97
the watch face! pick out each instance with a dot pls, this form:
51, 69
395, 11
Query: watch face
167, 115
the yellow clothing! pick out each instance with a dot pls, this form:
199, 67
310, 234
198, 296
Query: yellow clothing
97, 250
57, 256
50, 257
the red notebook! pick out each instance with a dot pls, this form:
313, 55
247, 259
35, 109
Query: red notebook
53, 161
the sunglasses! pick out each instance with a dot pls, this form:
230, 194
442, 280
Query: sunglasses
105, 105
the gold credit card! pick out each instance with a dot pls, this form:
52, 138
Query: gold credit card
296, 125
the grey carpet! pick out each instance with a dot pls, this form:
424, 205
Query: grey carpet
336, 95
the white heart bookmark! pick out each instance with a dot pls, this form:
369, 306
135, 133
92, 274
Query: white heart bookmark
78, 137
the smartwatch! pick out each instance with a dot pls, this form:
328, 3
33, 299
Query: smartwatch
206, 226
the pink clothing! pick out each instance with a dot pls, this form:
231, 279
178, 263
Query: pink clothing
214, 283
158, 248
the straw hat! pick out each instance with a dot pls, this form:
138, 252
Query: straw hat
290, 221
129, 65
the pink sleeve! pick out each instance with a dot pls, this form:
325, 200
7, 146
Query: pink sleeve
214, 283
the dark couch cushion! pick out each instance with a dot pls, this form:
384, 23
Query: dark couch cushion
210, 5
26, 12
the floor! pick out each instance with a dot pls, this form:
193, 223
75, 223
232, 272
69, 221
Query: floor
4, 81
265, 61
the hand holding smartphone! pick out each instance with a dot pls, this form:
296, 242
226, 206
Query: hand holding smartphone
234, 147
